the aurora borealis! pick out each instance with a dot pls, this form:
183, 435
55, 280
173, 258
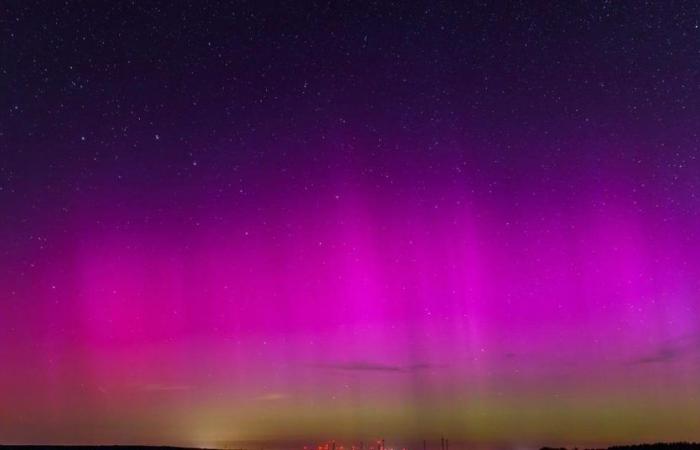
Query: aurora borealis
272, 224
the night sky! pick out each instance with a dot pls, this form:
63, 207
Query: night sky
262, 224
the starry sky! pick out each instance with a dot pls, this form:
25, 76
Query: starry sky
272, 223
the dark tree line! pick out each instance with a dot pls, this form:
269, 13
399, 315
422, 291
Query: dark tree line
656, 446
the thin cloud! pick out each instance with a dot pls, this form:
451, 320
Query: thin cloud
671, 351
661, 356
424, 366
159, 387
363, 366
273, 396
